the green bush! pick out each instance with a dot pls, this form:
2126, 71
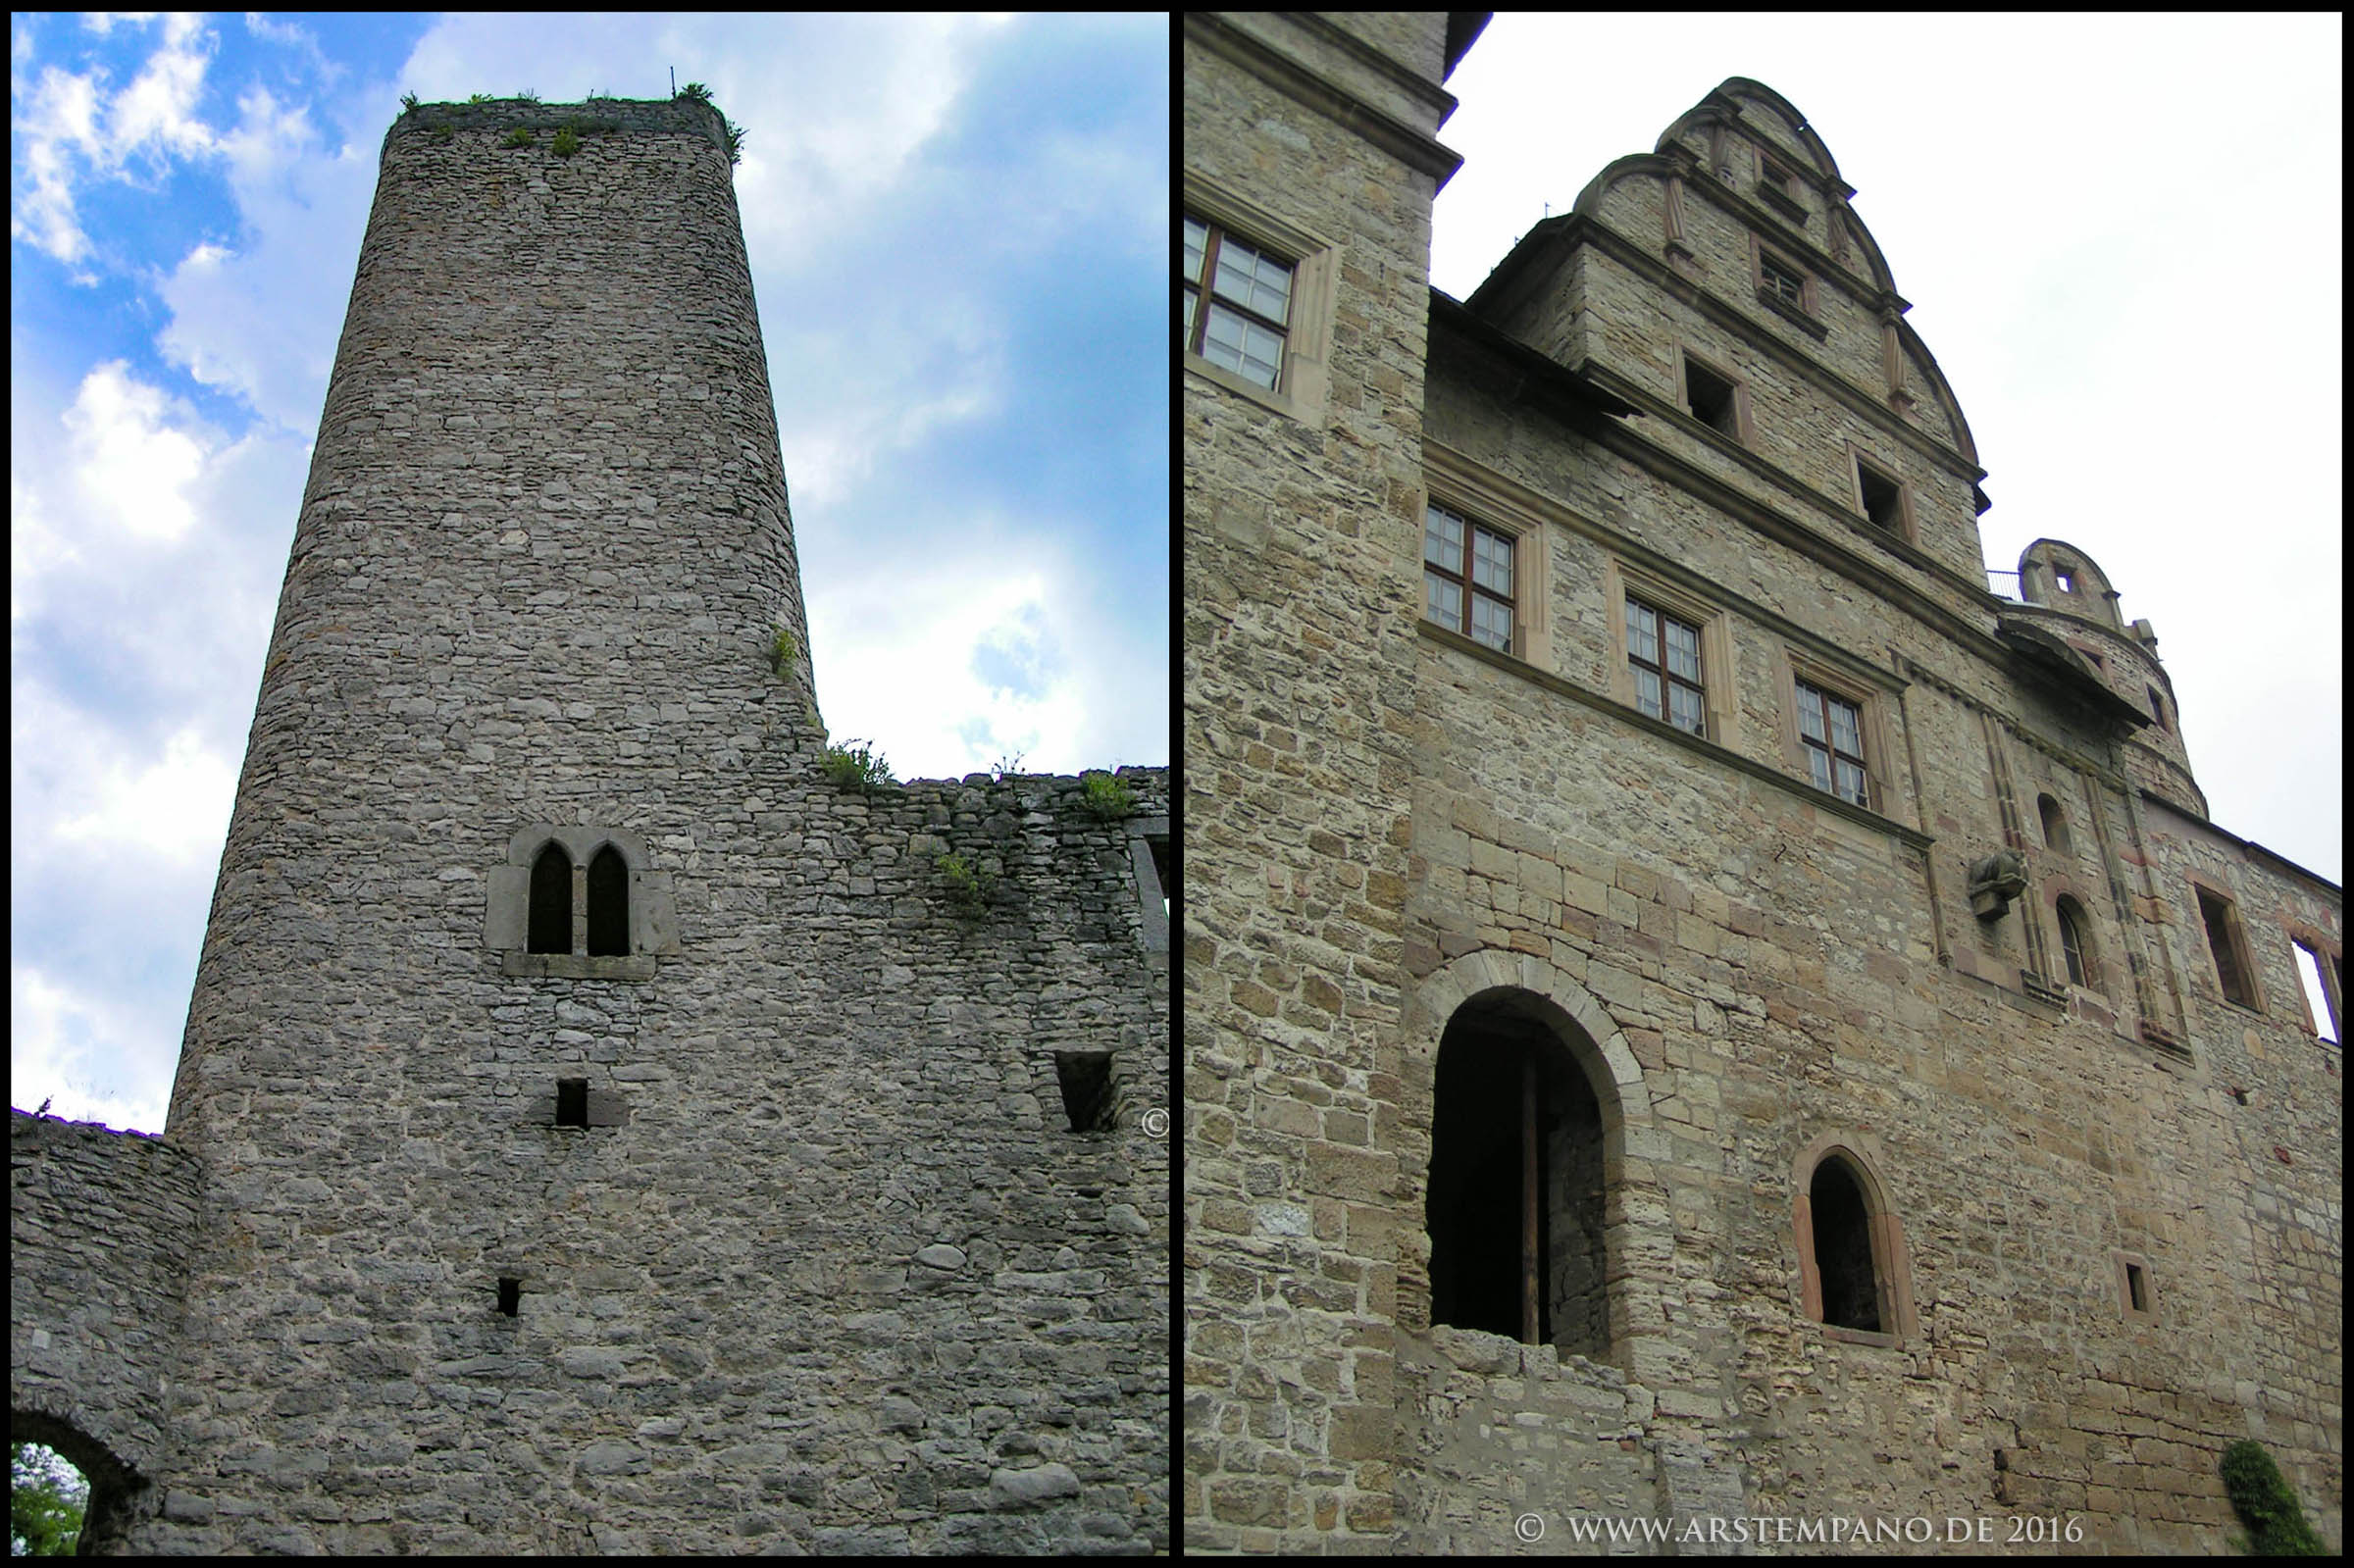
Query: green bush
1108, 797
567, 142
2262, 1498
785, 650
856, 765
969, 885
520, 137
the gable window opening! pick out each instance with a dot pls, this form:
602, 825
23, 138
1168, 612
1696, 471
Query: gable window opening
1883, 499
1243, 326
1475, 599
1831, 730
1782, 280
1710, 399
1664, 655
2065, 577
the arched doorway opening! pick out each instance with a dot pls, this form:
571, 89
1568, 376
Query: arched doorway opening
1516, 1204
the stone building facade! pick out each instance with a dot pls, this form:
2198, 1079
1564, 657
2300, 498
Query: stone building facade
598, 1126
1697, 1011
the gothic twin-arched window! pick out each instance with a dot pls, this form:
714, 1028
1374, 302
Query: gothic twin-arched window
608, 897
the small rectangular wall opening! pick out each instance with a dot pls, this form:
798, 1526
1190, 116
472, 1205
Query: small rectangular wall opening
1884, 500
1166, 868
2319, 1005
1086, 1078
2137, 1293
1710, 399
572, 1102
510, 1296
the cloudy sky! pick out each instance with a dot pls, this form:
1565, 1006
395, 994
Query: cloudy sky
2122, 242
958, 230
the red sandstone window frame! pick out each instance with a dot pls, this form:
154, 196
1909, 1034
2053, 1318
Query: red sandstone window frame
1807, 309
2076, 942
1891, 1259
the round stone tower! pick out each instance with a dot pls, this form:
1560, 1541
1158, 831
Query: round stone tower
2070, 596
619, 1131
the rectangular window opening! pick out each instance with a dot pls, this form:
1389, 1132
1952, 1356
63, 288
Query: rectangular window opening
2136, 1289
572, 1102
2230, 972
1467, 577
1164, 871
1086, 1078
1663, 654
1782, 280
1830, 731
1883, 499
2317, 993
1709, 397
510, 1296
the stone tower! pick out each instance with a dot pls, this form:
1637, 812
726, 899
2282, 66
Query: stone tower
1705, 1023
608, 1130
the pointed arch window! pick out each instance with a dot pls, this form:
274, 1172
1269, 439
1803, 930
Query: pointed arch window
1854, 1278
608, 906
551, 902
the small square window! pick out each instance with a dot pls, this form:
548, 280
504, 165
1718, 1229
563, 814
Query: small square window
1783, 280
1883, 498
1710, 399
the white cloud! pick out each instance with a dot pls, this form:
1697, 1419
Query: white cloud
59, 1036
129, 463
156, 113
178, 807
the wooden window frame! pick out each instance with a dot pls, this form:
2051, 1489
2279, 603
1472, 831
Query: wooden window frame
1304, 386
1663, 668
1869, 701
1204, 293
2235, 940
1465, 579
1686, 361
2077, 952
1622, 584
1861, 463
1456, 483
1832, 755
1807, 310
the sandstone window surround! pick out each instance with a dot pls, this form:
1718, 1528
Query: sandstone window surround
628, 892
1787, 288
1456, 486
2055, 824
1301, 378
1641, 601
2076, 942
2321, 967
1244, 316
1156, 873
1834, 732
1779, 187
1712, 395
2158, 710
1855, 1273
1884, 498
1469, 577
2227, 947
2136, 1289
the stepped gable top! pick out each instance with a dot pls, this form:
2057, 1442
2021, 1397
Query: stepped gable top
1753, 112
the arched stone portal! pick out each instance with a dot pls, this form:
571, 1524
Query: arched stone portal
1515, 1072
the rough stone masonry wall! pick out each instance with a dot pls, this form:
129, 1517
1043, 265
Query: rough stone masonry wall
842, 1278
99, 1224
1297, 673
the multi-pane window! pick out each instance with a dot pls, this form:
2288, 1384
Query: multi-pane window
1832, 731
1782, 280
1664, 655
1250, 304
1474, 597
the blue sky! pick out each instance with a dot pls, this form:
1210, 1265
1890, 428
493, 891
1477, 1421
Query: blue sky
958, 232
